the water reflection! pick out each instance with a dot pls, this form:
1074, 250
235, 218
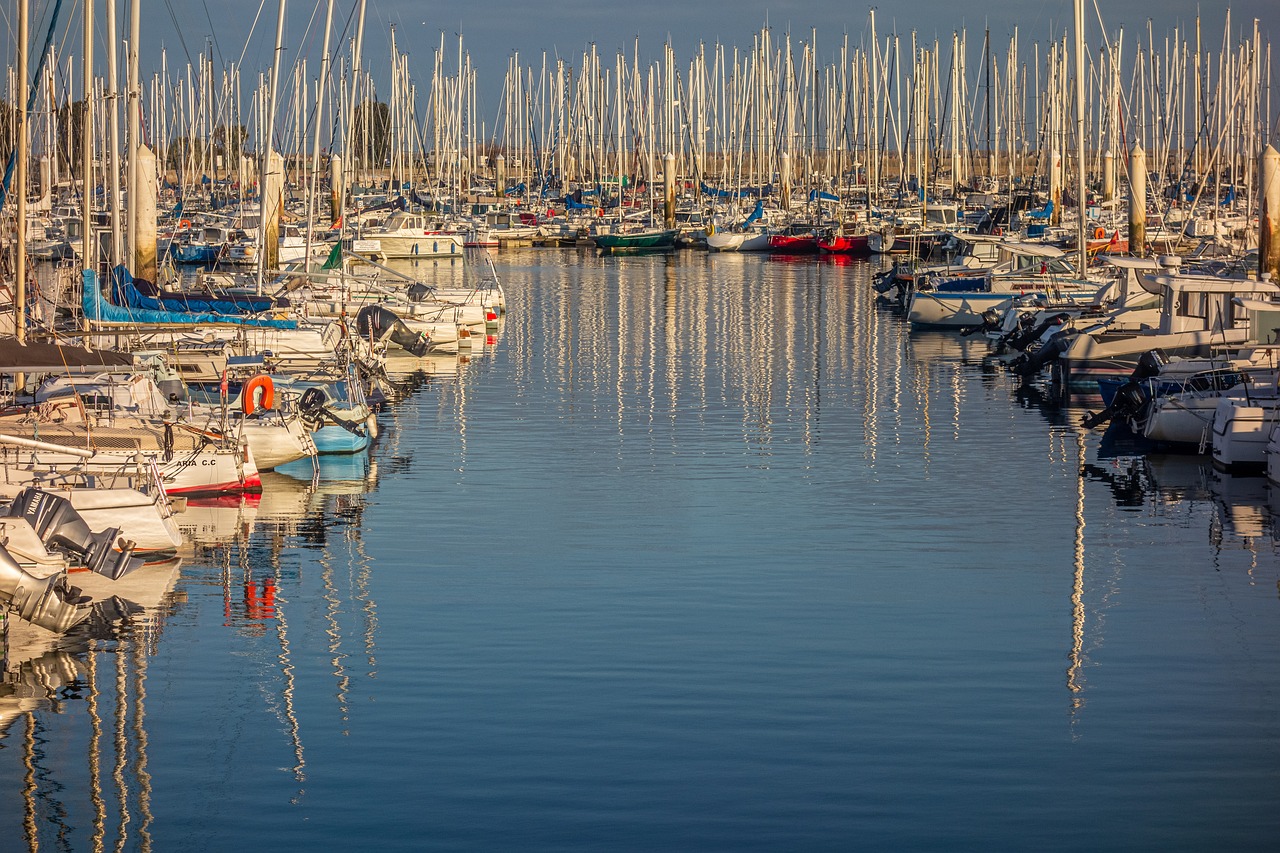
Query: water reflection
906, 462
46, 677
74, 706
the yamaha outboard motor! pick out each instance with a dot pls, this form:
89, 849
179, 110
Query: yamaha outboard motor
382, 324
58, 525
49, 602
418, 292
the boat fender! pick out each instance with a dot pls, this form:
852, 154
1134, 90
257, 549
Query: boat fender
249, 394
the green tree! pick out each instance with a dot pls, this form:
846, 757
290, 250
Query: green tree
371, 128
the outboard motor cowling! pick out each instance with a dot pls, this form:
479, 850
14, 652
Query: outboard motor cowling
49, 602
382, 324
1051, 351
57, 524
1150, 364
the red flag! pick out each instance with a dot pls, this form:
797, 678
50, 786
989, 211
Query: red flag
223, 386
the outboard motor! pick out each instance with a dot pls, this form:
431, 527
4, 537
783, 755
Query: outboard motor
991, 319
1023, 338
50, 602
1050, 352
57, 524
1150, 364
1133, 396
313, 408
418, 292
885, 281
382, 324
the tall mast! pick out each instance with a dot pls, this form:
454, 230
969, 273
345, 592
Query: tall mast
20, 215
1080, 126
319, 115
88, 252
113, 147
133, 104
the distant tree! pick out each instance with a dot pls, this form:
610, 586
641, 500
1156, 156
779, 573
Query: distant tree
370, 132
228, 141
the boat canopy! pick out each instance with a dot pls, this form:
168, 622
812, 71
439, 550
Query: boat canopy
98, 309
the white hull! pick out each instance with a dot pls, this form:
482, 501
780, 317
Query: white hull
954, 310
726, 241
1241, 431
409, 246
143, 520
1178, 418
147, 521
1273, 455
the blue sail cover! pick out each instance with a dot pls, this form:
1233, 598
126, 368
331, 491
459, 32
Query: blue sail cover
96, 308
821, 195
755, 214
741, 192
139, 293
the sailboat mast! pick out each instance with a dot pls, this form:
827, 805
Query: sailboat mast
113, 147
20, 224
88, 254
1080, 127
321, 88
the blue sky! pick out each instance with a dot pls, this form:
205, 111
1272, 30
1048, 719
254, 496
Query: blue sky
494, 29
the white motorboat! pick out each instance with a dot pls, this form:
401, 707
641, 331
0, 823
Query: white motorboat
1242, 429
407, 235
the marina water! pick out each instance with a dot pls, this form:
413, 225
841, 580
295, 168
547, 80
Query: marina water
700, 553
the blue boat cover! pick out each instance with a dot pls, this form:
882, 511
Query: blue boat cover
96, 307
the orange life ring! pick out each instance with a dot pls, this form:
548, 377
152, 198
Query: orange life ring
248, 393
998, 231
1099, 233
184, 223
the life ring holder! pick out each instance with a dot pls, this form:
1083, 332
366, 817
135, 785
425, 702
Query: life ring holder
249, 392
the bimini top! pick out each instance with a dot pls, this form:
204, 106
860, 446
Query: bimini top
48, 358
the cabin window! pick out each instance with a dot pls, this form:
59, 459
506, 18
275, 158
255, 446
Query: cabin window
1193, 304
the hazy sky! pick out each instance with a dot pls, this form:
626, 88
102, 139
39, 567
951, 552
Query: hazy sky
494, 29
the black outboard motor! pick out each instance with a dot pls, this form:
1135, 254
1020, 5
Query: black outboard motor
382, 324
313, 408
885, 281
58, 525
991, 319
1150, 363
1024, 337
1050, 352
1133, 396
418, 292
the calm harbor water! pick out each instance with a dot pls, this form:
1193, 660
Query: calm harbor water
703, 553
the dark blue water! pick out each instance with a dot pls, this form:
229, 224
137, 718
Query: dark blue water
706, 553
